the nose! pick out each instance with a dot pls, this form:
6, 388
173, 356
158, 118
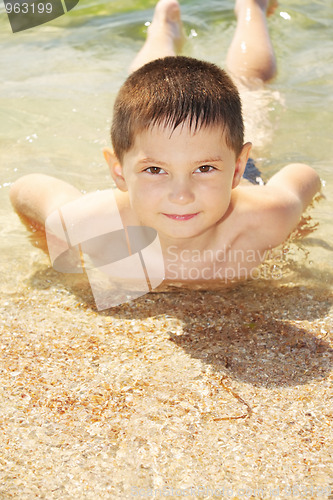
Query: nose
181, 192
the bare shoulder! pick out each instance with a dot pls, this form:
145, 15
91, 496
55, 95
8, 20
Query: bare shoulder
260, 218
110, 206
272, 211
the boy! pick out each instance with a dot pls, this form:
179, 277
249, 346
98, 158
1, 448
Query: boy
177, 161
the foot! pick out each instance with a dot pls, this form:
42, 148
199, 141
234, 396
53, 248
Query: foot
268, 6
167, 24
272, 5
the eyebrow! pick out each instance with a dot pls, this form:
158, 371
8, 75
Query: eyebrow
163, 164
210, 160
152, 160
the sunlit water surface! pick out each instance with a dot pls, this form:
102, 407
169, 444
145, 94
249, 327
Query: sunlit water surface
58, 84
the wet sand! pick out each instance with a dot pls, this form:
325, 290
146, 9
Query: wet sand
184, 394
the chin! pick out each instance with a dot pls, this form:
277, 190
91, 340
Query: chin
181, 234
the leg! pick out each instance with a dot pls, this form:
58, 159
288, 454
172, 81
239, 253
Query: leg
165, 34
251, 53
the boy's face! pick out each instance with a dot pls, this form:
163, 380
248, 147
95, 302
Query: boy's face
180, 182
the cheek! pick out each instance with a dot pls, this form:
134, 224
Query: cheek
141, 199
146, 193
218, 199
218, 192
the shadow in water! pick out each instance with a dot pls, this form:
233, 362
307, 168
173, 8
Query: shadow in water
249, 331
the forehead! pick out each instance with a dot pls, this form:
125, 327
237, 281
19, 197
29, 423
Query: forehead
182, 145
183, 134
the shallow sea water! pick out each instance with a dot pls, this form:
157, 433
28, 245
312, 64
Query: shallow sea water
58, 84
228, 389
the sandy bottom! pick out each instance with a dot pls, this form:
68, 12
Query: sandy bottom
185, 394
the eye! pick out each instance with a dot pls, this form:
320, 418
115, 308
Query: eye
154, 170
205, 168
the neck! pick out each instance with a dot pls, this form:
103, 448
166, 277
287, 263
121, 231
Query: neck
198, 243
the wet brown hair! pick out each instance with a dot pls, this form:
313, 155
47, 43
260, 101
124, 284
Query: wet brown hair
172, 91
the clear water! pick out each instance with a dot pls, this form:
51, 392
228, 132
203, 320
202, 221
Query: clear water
58, 83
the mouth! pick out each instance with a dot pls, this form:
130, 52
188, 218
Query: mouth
181, 217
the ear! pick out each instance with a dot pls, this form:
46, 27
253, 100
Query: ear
241, 164
116, 170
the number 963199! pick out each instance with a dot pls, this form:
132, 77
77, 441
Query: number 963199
28, 8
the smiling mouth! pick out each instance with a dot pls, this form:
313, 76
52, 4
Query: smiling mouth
181, 217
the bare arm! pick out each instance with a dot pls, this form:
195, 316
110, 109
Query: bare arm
35, 196
300, 180
291, 190
66, 217
274, 210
